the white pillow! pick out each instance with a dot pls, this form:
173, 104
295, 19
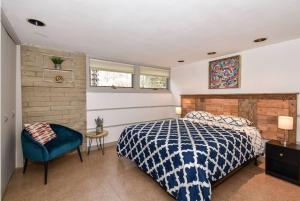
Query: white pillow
200, 115
232, 120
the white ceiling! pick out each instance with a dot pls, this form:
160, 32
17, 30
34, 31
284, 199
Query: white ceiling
154, 32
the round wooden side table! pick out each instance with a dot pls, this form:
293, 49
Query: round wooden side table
97, 136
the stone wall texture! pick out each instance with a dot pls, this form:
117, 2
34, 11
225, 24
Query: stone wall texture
44, 100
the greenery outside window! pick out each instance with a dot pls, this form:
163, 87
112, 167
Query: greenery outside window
107, 76
111, 74
153, 78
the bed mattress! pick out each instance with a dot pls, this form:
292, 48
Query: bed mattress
185, 156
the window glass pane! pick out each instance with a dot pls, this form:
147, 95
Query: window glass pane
153, 82
100, 78
153, 78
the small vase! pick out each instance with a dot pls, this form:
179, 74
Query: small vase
57, 66
99, 129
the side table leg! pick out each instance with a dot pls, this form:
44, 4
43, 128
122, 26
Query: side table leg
98, 147
103, 146
90, 144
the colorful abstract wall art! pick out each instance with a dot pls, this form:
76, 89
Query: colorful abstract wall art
224, 73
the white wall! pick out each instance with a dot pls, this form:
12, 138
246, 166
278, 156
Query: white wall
19, 127
0, 103
8, 107
273, 68
119, 109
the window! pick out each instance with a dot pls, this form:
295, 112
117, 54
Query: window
111, 74
153, 78
107, 76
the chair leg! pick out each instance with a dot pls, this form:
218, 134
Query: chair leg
46, 171
79, 153
25, 165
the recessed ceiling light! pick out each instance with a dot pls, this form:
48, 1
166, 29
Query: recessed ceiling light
211, 53
36, 22
180, 61
258, 40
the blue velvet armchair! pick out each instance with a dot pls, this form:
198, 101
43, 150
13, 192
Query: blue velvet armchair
67, 139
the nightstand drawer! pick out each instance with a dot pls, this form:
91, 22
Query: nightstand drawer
282, 154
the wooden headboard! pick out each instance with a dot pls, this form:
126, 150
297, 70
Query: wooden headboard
262, 109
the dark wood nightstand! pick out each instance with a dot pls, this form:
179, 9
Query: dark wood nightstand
283, 162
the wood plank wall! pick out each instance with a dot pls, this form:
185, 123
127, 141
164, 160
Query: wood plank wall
262, 109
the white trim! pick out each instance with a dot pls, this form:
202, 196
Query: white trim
129, 123
125, 108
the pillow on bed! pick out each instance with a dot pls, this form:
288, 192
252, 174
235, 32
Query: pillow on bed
232, 120
200, 115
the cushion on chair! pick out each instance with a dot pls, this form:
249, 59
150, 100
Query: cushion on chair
41, 132
59, 146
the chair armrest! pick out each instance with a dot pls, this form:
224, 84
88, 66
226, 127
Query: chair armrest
32, 149
65, 132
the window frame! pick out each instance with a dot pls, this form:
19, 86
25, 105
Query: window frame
135, 81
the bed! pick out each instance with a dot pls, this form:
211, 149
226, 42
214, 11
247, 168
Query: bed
185, 156
190, 155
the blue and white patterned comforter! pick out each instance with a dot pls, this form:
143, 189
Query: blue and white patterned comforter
184, 156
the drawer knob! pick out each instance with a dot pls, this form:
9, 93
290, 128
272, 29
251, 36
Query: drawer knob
281, 154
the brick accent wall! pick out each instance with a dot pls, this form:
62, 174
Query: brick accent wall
45, 100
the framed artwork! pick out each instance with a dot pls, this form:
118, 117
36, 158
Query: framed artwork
224, 73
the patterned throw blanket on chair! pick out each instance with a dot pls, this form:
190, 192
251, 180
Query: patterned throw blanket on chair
184, 156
